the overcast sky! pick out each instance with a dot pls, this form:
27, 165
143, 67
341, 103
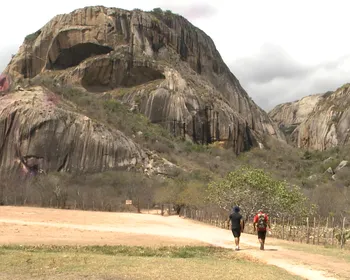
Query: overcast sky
279, 50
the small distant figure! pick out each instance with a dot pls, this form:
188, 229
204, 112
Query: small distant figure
237, 225
260, 223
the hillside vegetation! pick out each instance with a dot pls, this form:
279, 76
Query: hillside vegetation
185, 184
119, 105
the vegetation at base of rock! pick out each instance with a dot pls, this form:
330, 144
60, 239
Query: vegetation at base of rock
253, 189
287, 163
106, 191
198, 164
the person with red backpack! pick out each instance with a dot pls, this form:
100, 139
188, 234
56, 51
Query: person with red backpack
260, 223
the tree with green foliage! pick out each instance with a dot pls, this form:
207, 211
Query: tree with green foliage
252, 189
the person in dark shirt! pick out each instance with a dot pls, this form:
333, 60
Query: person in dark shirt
237, 225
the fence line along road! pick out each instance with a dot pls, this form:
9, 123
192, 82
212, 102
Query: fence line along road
310, 230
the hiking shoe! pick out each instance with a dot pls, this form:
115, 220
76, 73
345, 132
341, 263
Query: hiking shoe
261, 246
237, 248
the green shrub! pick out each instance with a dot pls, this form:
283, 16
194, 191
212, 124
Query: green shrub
158, 11
31, 37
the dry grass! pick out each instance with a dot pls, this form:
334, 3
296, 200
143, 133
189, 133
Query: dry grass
337, 253
131, 263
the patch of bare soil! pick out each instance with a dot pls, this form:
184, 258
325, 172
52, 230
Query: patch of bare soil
25, 225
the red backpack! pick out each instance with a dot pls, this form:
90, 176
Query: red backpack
262, 222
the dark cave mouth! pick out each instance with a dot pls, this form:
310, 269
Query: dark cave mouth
136, 76
74, 55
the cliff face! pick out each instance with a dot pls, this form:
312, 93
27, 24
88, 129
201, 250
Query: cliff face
39, 132
294, 113
329, 123
158, 63
321, 123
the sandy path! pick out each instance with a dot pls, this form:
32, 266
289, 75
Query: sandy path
24, 225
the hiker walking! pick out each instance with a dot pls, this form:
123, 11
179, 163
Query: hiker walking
237, 225
260, 223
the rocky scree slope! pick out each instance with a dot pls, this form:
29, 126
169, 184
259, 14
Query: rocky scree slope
317, 122
157, 63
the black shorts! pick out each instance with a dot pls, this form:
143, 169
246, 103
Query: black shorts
236, 232
262, 235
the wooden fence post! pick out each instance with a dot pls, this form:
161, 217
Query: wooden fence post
294, 229
332, 237
318, 231
314, 232
290, 229
307, 231
326, 233
342, 234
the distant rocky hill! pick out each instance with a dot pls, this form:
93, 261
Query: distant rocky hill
318, 121
294, 113
157, 63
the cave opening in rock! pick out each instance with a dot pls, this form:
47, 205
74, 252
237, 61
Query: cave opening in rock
118, 77
75, 55
141, 75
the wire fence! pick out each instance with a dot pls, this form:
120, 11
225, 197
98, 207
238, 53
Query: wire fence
310, 230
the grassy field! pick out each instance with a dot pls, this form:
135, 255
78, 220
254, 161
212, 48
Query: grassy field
123, 262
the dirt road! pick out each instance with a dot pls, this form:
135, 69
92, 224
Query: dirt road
25, 225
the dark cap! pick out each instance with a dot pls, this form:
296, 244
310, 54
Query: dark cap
236, 209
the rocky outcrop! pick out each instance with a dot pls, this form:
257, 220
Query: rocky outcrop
329, 123
341, 165
294, 113
325, 126
157, 62
39, 132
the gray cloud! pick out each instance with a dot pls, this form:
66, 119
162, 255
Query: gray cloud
272, 77
270, 63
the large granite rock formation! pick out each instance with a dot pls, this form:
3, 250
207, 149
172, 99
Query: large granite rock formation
156, 62
40, 132
321, 121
